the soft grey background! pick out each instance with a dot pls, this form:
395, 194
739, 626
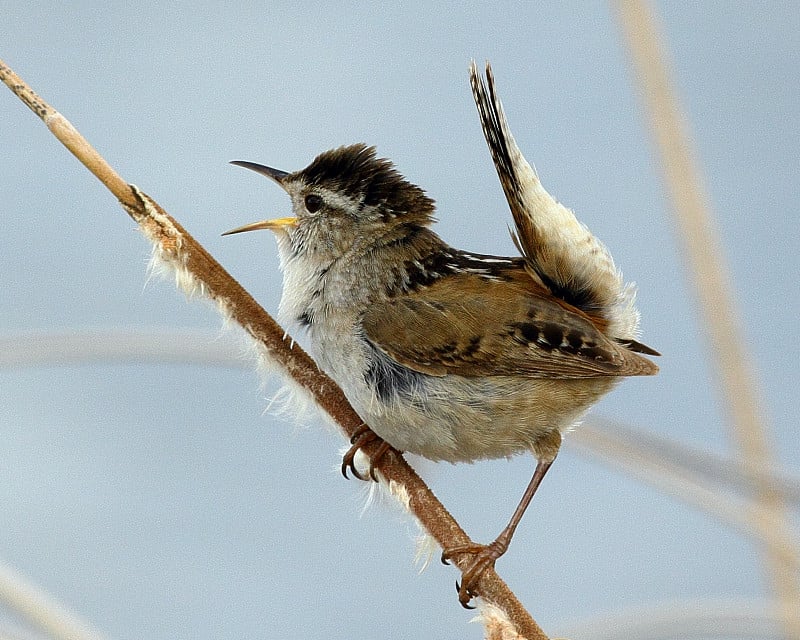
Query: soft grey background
159, 502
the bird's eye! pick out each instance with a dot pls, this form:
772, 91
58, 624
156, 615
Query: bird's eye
313, 203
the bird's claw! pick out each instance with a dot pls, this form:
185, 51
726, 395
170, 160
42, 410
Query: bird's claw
348, 462
362, 436
464, 604
484, 557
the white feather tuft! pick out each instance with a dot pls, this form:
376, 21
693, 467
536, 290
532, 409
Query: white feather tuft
496, 624
426, 549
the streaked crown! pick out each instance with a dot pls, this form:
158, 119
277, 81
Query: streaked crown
357, 173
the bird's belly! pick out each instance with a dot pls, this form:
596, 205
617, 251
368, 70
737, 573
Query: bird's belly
457, 419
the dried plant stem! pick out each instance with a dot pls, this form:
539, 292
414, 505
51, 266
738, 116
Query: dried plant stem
701, 241
651, 466
195, 265
41, 610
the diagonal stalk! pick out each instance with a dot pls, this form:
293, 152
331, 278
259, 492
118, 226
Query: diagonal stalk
198, 272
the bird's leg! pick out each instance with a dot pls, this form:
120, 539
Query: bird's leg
362, 436
485, 555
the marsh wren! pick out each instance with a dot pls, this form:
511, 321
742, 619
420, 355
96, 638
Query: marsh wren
445, 353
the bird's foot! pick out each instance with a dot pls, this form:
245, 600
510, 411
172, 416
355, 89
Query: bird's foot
484, 557
363, 436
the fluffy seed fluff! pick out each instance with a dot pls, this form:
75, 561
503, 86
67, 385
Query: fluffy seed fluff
290, 400
496, 623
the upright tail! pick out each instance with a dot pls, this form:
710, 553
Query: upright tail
559, 250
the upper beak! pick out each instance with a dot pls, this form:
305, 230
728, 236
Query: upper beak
273, 174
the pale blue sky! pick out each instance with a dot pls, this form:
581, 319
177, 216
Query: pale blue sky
159, 502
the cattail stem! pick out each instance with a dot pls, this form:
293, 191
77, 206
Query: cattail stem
198, 271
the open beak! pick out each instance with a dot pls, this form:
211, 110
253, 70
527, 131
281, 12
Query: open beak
276, 224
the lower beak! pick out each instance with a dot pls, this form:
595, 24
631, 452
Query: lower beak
273, 225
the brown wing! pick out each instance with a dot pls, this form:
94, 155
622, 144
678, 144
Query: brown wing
472, 325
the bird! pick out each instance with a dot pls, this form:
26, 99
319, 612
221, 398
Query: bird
448, 354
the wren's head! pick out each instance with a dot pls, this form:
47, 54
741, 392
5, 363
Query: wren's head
345, 201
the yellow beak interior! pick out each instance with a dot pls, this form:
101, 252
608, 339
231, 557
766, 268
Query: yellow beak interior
273, 225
